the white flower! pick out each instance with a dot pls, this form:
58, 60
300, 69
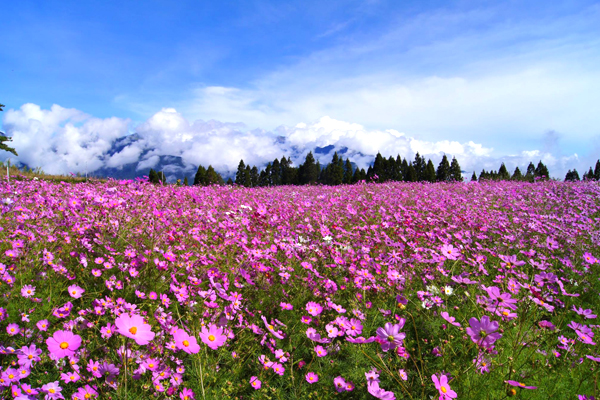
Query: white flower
448, 290
327, 238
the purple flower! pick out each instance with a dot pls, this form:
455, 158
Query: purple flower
63, 343
255, 383
313, 308
441, 384
483, 332
339, 383
448, 318
390, 336
520, 385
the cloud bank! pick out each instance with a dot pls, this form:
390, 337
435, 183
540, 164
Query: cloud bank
61, 140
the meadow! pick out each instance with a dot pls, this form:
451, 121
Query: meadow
129, 290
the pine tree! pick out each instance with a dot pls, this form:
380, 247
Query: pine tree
336, 170
348, 172
152, 177
229, 182
572, 176
161, 177
541, 171
378, 171
588, 176
517, 175
530, 174
419, 166
254, 177
430, 172
185, 181
240, 175
503, 174
483, 175
200, 177
597, 171
443, 170
474, 177
411, 174
309, 174
276, 173
213, 177
455, 172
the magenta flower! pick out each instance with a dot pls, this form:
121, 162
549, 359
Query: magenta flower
311, 378
213, 337
42, 325
321, 352
441, 384
313, 308
390, 336
27, 291
339, 383
185, 342
75, 291
134, 327
63, 344
374, 389
52, 390
520, 385
483, 332
450, 252
448, 318
13, 329
255, 383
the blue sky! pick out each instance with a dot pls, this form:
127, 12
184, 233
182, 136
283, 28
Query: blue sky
499, 74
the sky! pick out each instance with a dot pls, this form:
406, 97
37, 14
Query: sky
213, 82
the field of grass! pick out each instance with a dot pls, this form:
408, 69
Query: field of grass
127, 290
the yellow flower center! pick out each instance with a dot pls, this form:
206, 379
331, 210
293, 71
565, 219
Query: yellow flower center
52, 390
11, 376
30, 356
151, 365
211, 338
186, 343
271, 327
443, 389
64, 345
133, 330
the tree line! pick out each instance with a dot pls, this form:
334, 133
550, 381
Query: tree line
531, 174
590, 175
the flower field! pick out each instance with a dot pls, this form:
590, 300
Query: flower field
128, 290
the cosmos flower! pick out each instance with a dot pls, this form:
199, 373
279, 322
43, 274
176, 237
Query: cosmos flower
213, 337
75, 291
520, 385
134, 327
63, 344
255, 383
390, 336
441, 384
483, 332
185, 342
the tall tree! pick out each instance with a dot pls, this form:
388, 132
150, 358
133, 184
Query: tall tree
4, 138
213, 177
419, 166
517, 175
503, 174
597, 171
429, 172
588, 176
572, 176
455, 172
276, 173
185, 181
200, 177
348, 171
336, 170
541, 171
309, 173
152, 177
254, 177
240, 175
474, 177
443, 170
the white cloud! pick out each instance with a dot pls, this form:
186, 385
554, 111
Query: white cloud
63, 140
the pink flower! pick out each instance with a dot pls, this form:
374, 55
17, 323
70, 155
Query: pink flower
520, 385
75, 291
339, 383
255, 383
311, 377
483, 332
448, 318
135, 328
63, 343
321, 352
185, 342
42, 325
213, 337
313, 308
441, 384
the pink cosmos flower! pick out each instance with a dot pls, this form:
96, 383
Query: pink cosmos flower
520, 385
374, 389
450, 252
311, 378
27, 291
134, 327
441, 384
52, 390
42, 325
75, 291
339, 383
321, 352
255, 383
185, 342
13, 329
448, 318
63, 344
213, 337
313, 308
390, 336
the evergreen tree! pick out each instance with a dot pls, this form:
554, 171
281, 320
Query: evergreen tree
289, 174
597, 171
213, 177
254, 177
336, 170
517, 175
443, 170
348, 172
474, 177
378, 171
247, 178
229, 182
240, 175
276, 173
530, 174
319, 170
588, 176
572, 176
541, 171
263, 179
483, 175
430, 172
411, 174
370, 174
455, 173
419, 166
309, 173
152, 177
185, 181
161, 178
404, 169
503, 174
4, 138
200, 177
